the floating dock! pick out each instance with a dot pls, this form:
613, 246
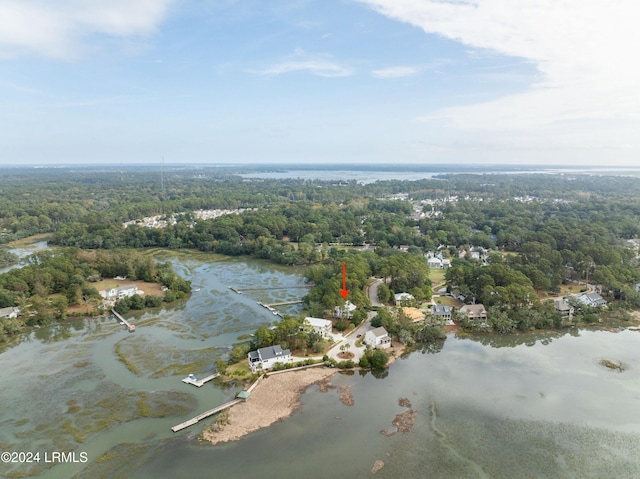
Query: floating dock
191, 379
130, 327
205, 415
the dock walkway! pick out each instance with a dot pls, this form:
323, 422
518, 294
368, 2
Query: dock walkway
205, 415
199, 382
130, 326
283, 303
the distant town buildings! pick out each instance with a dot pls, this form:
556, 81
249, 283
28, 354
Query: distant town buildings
162, 221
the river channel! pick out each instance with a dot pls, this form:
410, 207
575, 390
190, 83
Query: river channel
539, 406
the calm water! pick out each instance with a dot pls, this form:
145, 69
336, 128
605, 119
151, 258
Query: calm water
371, 176
538, 406
23, 252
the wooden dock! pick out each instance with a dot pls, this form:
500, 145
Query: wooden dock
129, 326
199, 382
205, 415
274, 311
284, 303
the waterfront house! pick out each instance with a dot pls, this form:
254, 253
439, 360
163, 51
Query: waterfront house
474, 311
266, 358
442, 313
377, 338
592, 299
320, 326
564, 308
121, 292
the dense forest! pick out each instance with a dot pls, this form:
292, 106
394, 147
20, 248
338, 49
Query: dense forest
51, 281
538, 231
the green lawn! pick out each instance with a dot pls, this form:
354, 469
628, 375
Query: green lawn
436, 276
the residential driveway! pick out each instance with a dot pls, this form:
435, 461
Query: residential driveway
372, 292
351, 340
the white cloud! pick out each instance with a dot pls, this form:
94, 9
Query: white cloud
300, 61
396, 72
585, 51
61, 29
320, 68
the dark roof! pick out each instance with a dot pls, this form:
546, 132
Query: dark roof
272, 352
253, 355
441, 310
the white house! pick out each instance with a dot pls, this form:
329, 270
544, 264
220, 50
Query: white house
403, 298
321, 326
592, 299
121, 292
266, 358
435, 263
344, 312
377, 338
9, 313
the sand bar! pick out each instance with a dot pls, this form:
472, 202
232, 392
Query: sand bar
273, 399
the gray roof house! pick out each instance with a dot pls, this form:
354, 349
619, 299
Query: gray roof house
441, 312
591, 299
266, 358
377, 338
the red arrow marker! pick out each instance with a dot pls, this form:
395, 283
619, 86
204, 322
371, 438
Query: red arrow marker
344, 291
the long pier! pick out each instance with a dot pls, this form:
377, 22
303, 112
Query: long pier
199, 382
205, 415
265, 288
284, 303
130, 326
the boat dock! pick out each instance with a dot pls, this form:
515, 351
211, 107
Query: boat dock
191, 379
273, 310
284, 303
205, 415
130, 327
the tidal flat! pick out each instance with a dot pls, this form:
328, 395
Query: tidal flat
536, 405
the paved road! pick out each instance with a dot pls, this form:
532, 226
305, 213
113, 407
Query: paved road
372, 292
351, 339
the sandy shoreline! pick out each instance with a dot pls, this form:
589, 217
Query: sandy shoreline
273, 399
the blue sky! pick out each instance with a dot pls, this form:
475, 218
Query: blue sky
328, 81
